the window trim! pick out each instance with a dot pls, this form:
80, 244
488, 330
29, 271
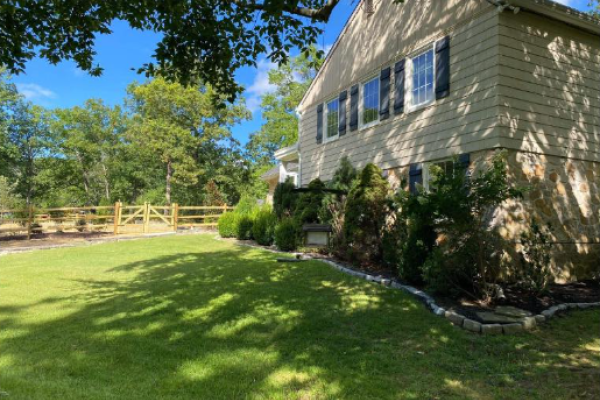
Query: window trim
361, 105
408, 81
326, 138
427, 174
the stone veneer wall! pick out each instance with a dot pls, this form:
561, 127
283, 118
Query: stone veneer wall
563, 193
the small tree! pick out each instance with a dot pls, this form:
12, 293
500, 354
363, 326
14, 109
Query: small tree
212, 194
535, 273
366, 212
284, 199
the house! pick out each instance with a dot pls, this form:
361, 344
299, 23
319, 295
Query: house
408, 85
286, 168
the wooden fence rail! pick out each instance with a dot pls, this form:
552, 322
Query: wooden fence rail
116, 219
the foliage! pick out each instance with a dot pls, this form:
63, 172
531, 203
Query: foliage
309, 204
263, 229
448, 237
535, 273
227, 225
594, 6
286, 235
179, 127
365, 215
278, 107
212, 194
334, 205
244, 227
200, 40
284, 199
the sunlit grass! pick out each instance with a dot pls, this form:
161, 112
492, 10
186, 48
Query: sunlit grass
190, 317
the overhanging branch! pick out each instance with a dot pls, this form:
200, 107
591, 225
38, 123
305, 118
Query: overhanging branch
319, 14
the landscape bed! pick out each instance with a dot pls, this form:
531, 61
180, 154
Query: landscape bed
193, 317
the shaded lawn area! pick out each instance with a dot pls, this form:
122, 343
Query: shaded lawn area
190, 317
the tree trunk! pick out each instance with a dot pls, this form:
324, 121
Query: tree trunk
106, 183
86, 179
169, 176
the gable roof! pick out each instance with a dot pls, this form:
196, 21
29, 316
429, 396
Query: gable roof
548, 8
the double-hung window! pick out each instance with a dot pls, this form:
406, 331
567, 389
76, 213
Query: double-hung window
421, 79
332, 119
369, 105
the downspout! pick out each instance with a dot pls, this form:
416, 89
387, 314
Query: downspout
299, 115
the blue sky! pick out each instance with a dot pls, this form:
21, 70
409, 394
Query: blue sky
125, 49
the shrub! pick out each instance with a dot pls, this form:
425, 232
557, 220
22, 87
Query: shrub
244, 227
286, 235
263, 229
365, 215
284, 199
227, 225
535, 274
309, 204
332, 211
449, 244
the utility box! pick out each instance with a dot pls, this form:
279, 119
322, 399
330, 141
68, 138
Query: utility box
316, 235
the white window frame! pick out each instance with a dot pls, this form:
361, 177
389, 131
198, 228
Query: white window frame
427, 174
408, 82
361, 104
326, 125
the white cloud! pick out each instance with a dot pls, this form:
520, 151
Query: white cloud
326, 48
260, 85
565, 2
33, 91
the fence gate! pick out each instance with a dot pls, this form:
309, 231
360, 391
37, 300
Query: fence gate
145, 218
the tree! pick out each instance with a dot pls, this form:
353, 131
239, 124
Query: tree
28, 140
181, 128
92, 136
202, 40
280, 129
594, 8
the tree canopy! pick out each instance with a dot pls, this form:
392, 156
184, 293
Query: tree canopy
202, 40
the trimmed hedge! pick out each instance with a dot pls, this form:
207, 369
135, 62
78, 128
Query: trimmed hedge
286, 235
263, 229
227, 225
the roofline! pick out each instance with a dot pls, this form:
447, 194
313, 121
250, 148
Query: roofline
328, 56
547, 8
285, 152
560, 12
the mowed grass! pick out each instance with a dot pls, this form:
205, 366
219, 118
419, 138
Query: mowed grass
190, 317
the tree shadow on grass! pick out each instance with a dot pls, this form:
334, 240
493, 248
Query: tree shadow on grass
236, 324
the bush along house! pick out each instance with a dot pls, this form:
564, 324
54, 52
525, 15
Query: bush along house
409, 85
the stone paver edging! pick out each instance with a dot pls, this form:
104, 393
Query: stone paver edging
527, 323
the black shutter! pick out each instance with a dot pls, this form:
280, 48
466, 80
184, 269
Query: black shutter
399, 87
354, 108
442, 68
464, 160
320, 124
415, 175
342, 113
384, 94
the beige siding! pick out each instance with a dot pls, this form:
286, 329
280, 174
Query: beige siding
549, 87
465, 121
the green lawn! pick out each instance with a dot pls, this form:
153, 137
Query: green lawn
190, 317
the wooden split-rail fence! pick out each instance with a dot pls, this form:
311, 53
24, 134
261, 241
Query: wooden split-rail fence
116, 219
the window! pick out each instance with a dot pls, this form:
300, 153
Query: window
332, 118
369, 114
421, 81
445, 165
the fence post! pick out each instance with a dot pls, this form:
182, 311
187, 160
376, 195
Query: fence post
146, 218
117, 218
29, 221
175, 216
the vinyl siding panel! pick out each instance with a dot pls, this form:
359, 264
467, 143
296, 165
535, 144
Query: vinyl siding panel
549, 87
465, 121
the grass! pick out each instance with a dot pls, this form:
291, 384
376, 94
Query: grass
190, 317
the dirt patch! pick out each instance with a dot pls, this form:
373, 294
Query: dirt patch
50, 239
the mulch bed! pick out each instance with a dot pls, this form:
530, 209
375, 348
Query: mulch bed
587, 291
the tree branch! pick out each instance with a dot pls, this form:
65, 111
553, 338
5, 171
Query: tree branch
319, 14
